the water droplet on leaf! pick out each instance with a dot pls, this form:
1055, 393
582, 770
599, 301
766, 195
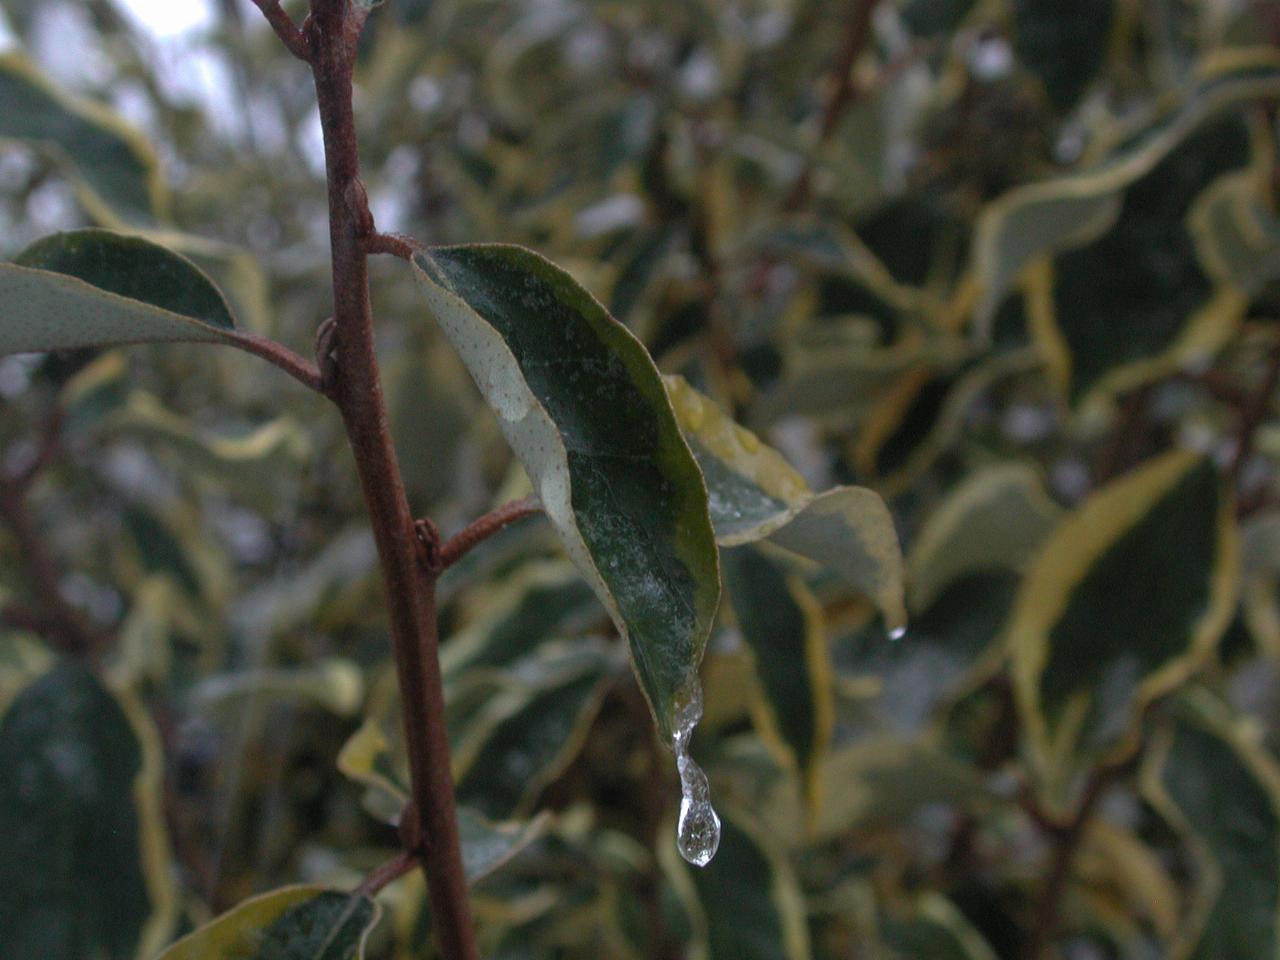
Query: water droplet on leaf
698, 830
897, 633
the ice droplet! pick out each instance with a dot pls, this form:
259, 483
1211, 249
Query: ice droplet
897, 633
698, 830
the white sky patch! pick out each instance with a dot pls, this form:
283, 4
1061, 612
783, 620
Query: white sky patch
167, 19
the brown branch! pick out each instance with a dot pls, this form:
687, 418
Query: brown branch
285, 28
1067, 837
396, 244
386, 874
50, 445
278, 355
332, 33
842, 92
461, 543
56, 619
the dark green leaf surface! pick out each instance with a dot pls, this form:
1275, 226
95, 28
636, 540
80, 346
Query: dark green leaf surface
783, 626
582, 405
1063, 42
528, 742
73, 876
112, 162
1127, 596
750, 901
93, 288
1130, 295
133, 268
296, 923
1224, 790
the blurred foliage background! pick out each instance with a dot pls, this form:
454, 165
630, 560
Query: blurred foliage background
1009, 263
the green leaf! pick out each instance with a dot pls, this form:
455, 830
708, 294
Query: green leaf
250, 465
584, 409
925, 413
783, 625
1136, 303
95, 288
293, 923
80, 800
746, 902
756, 495
1063, 42
948, 643
333, 683
936, 929
545, 602
525, 736
876, 782
994, 520
114, 167
1214, 781
1066, 212
1125, 600
1237, 236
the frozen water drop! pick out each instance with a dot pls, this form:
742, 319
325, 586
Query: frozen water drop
698, 834
897, 633
698, 830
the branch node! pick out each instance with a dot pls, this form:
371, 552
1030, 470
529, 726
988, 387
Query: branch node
357, 200
295, 40
326, 348
430, 553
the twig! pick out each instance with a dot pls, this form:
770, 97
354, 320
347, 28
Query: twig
1067, 839
285, 28
1255, 412
461, 543
297, 366
332, 34
386, 874
842, 92
50, 445
396, 244
58, 619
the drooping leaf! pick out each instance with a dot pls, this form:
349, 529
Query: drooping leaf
584, 409
783, 625
294, 923
1125, 599
80, 794
1216, 783
756, 495
747, 900
97, 288
994, 520
113, 166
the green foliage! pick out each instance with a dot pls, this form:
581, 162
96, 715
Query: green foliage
1002, 298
